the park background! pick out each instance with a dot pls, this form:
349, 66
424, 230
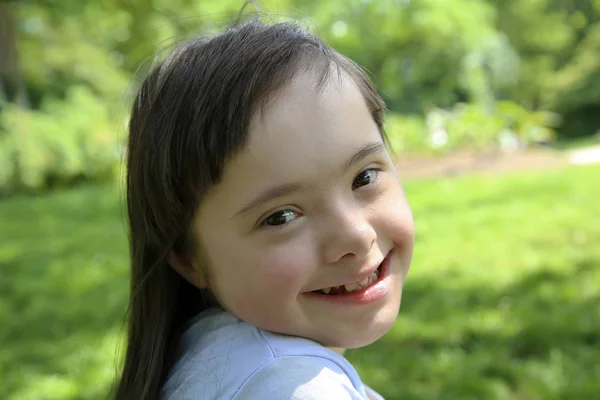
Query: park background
494, 114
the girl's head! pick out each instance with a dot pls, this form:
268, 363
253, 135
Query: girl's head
258, 176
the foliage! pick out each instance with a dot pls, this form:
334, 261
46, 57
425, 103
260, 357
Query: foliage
56, 145
470, 126
500, 303
467, 57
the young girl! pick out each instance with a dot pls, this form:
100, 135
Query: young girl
268, 227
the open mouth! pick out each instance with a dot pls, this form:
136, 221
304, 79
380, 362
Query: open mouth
354, 287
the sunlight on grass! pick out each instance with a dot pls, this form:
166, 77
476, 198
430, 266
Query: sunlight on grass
501, 301
87, 372
64, 289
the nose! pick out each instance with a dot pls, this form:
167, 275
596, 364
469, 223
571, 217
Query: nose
348, 233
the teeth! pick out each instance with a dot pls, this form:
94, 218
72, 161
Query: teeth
365, 282
373, 277
354, 286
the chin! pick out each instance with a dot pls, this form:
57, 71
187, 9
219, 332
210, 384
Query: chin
357, 337
370, 337
355, 341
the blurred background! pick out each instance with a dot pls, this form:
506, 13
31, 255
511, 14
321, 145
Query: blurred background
494, 118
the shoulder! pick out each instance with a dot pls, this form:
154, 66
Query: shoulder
215, 355
300, 378
221, 357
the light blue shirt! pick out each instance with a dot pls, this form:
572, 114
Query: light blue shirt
222, 357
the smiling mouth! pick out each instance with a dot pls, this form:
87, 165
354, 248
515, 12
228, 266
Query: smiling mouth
352, 287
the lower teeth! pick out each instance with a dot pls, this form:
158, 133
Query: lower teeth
342, 290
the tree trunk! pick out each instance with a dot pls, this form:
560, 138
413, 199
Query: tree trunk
12, 87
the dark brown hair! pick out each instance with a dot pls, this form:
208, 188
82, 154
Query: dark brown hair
189, 118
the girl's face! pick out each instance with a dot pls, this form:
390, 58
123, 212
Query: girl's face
312, 202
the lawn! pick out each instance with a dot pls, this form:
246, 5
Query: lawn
502, 302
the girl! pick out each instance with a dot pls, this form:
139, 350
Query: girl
268, 227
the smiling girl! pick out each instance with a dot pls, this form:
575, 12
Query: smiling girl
268, 226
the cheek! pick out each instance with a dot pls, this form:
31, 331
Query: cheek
263, 278
397, 220
403, 226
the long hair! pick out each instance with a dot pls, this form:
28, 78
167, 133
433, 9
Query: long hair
189, 118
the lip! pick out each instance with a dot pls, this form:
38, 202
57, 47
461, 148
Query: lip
367, 295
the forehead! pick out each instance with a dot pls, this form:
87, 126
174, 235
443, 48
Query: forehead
306, 124
304, 135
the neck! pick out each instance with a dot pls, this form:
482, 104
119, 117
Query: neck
338, 350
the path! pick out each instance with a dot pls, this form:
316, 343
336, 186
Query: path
494, 162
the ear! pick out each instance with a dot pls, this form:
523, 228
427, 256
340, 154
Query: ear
187, 269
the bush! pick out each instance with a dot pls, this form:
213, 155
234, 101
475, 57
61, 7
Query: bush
78, 138
407, 133
81, 137
505, 125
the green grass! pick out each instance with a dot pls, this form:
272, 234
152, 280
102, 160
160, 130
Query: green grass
503, 298
502, 301
63, 290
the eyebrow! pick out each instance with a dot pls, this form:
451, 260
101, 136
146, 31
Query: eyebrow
369, 149
291, 188
269, 195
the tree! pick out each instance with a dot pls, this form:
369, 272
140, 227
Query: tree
12, 87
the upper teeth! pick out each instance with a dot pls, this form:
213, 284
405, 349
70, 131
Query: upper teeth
351, 287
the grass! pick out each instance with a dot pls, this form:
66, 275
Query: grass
502, 301
64, 288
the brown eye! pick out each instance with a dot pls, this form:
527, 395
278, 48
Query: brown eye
280, 218
364, 178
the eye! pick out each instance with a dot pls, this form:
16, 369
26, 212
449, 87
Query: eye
364, 178
280, 218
